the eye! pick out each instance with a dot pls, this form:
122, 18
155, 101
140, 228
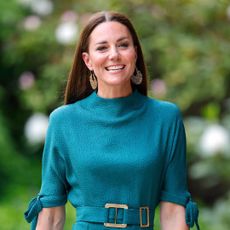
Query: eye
101, 48
124, 44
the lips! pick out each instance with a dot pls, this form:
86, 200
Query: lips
113, 68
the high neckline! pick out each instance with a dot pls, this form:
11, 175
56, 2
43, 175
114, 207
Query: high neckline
113, 107
114, 99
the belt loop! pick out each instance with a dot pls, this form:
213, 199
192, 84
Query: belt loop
141, 217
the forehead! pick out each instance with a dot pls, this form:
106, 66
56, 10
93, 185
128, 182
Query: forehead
109, 31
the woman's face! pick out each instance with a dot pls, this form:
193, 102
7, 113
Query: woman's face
111, 54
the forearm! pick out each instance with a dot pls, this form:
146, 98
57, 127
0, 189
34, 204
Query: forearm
51, 219
172, 217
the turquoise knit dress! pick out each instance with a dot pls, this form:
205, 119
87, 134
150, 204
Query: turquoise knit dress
128, 150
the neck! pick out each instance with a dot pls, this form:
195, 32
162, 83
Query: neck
111, 109
114, 91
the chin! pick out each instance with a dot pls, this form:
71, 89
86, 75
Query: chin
117, 80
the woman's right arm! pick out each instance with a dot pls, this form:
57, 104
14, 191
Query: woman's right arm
51, 218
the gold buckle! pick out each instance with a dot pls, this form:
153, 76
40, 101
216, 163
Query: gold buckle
141, 220
116, 206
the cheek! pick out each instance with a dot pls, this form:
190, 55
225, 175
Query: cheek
131, 57
97, 60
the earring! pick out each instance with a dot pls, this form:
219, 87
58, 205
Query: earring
137, 78
93, 80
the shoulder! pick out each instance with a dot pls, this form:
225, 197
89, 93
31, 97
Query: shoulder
62, 113
164, 109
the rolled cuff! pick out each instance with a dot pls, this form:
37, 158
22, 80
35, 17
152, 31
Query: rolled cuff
191, 208
40, 202
174, 198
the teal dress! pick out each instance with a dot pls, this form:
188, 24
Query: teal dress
127, 152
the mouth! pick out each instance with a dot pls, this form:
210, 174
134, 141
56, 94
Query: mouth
115, 68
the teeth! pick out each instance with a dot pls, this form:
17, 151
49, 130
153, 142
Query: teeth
117, 67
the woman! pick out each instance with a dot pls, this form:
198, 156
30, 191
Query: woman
114, 152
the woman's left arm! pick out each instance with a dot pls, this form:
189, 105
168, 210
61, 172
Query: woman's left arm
172, 216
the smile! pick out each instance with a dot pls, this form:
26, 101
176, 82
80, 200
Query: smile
115, 68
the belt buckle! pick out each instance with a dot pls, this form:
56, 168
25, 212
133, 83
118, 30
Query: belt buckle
116, 206
141, 220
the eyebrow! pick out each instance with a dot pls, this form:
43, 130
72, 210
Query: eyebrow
104, 42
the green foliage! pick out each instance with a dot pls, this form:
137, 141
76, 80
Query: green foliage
186, 46
218, 216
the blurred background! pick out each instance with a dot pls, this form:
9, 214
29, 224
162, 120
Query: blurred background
186, 45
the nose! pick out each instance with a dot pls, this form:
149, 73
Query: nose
114, 53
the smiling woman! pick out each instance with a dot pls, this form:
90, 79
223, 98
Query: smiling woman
112, 56
114, 152
108, 40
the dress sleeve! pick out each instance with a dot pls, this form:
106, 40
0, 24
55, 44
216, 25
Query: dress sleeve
175, 187
54, 185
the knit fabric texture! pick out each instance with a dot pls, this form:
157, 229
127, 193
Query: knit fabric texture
128, 150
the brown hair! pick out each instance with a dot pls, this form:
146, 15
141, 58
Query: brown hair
78, 85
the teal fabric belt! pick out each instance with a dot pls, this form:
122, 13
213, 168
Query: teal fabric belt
113, 216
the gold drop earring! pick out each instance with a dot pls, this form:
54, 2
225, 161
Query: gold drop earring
93, 80
137, 78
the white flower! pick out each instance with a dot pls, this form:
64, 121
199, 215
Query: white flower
26, 80
66, 32
215, 139
32, 22
36, 127
42, 7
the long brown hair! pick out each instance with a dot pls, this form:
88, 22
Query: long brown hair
78, 85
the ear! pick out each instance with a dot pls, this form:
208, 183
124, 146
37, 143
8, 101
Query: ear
86, 59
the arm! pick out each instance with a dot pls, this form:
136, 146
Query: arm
54, 189
172, 216
51, 218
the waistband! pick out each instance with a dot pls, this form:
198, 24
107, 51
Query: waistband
117, 215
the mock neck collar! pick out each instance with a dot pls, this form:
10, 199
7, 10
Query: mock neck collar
118, 106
